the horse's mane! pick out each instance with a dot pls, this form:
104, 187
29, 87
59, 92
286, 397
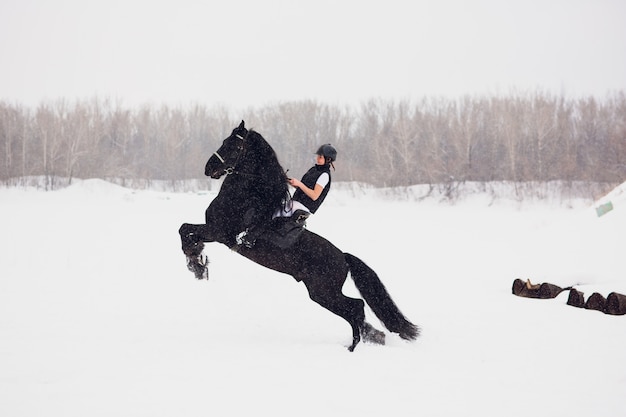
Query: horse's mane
273, 184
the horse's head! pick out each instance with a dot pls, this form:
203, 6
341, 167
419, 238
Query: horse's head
225, 159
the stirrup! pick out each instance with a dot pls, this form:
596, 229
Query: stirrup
300, 216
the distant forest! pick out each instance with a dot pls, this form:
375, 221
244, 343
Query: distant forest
519, 138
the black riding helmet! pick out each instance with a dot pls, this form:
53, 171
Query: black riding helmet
328, 152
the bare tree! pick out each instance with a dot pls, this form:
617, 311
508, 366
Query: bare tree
520, 137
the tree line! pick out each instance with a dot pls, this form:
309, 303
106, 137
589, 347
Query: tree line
520, 137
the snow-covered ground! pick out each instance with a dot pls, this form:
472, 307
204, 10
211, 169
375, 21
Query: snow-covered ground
100, 317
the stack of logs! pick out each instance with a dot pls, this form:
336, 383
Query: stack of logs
614, 304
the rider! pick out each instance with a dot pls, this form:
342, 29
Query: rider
312, 189
310, 193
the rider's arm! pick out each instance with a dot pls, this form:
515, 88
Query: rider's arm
313, 194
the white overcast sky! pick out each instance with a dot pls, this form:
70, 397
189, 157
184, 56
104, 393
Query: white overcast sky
244, 53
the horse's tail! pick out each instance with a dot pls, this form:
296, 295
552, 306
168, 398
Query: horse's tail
377, 297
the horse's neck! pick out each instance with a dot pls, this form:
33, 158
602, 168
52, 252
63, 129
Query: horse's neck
250, 188
235, 191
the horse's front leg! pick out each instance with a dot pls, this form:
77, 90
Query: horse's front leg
192, 237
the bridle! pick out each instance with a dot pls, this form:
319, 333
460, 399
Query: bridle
233, 168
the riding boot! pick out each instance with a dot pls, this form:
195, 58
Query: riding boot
253, 228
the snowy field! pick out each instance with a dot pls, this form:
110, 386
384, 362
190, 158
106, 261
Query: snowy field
100, 317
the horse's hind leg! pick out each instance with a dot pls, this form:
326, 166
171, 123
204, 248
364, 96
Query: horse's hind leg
350, 309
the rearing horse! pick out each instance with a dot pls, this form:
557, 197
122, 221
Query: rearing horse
254, 188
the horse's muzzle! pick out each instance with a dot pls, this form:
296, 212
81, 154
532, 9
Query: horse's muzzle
216, 175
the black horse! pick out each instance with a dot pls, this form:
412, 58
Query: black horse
254, 188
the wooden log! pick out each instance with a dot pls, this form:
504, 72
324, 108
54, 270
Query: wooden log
616, 304
547, 290
596, 302
576, 298
530, 290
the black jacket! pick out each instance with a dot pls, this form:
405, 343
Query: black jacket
309, 179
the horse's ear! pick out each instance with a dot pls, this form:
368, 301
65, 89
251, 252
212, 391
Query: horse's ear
242, 125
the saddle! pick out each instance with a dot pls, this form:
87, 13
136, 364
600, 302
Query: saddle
280, 231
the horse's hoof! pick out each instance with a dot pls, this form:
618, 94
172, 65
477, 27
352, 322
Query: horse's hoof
355, 341
198, 265
372, 335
